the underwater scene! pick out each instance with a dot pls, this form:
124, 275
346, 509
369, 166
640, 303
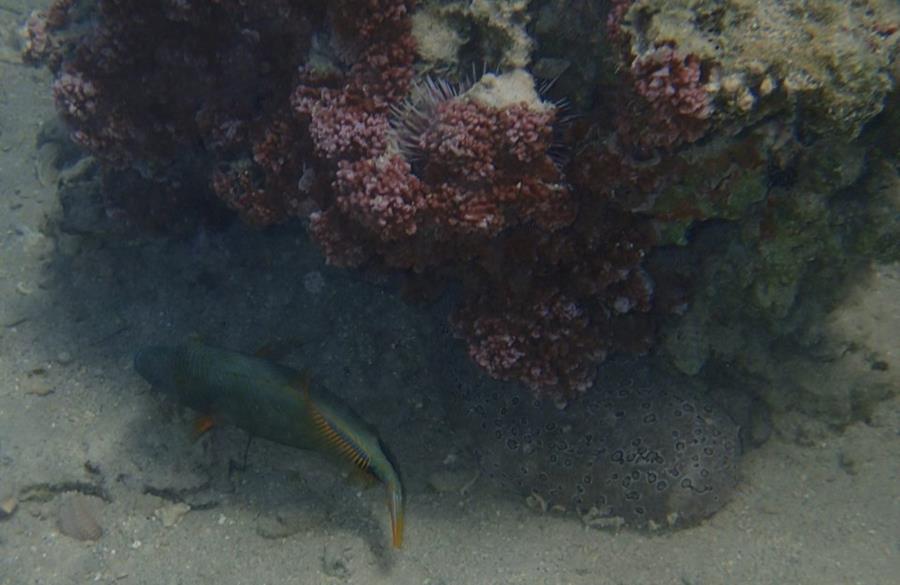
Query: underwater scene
449, 292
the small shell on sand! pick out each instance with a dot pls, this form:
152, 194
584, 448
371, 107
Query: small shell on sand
76, 519
7, 507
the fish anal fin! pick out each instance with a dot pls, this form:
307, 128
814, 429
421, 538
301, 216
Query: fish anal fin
337, 442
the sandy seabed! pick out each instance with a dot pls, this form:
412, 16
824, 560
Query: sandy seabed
84, 440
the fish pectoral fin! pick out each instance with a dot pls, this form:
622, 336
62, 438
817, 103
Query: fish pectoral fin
202, 424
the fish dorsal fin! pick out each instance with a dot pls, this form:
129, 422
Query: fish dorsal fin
342, 443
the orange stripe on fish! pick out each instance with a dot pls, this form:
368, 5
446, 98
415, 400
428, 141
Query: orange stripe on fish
343, 444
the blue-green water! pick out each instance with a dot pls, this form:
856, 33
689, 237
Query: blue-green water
775, 300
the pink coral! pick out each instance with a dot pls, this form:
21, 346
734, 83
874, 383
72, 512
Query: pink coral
617, 11
549, 343
185, 88
465, 169
547, 308
381, 194
673, 107
339, 244
460, 140
340, 129
489, 168
241, 190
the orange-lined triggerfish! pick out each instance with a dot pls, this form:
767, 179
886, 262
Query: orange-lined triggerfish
274, 402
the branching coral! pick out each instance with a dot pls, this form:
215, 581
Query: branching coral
455, 170
672, 90
171, 87
446, 179
561, 302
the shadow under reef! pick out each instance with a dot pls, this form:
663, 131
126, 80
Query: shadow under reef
619, 456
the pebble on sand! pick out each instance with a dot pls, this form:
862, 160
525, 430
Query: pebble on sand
172, 514
38, 388
75, 517
450, 480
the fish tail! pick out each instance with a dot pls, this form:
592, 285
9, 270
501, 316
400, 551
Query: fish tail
395, 505
370, 456
386, 471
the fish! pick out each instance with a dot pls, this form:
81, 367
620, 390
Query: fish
274, 402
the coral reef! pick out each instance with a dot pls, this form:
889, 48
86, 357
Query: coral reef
562, 302
713, 120
363, 119
769, 300
832, 81
881, 238
678, 105
169, 88
457, 170
466, 185
491, 32
719, 179
433, 176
